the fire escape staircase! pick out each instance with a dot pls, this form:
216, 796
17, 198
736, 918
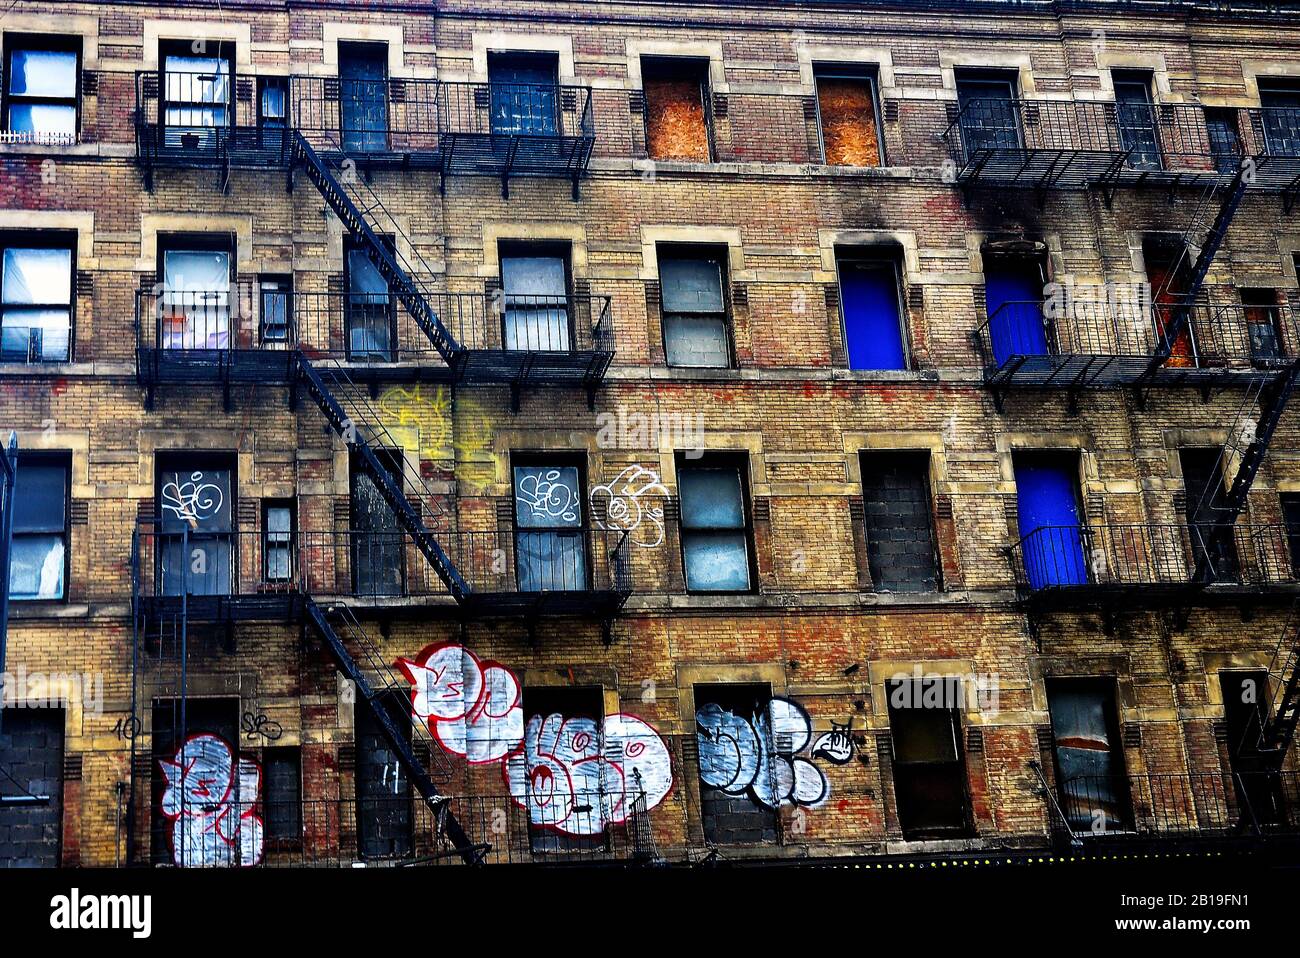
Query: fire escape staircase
1278, 731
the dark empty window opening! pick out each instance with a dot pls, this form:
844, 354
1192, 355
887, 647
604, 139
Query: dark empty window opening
1290, 502
31, 788
1214, 550
677, 113
282, 797
378, 542
525, 93
1168, 268
371, 309
1224, 132
871, 305
1135, 114
37, 292
550, 523
929, 766
899, 521
696, 321
1090, 776
1263, 315
535, 283
737, 764
384, 812
716, 526
1246, 705
1279, 98
38, 553
42, 88
848, 109
989, 111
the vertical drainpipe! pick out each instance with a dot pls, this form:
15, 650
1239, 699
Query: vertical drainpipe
10, 458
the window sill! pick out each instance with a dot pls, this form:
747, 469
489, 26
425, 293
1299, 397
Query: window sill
640, 166
61, 370
68, 149
46, 609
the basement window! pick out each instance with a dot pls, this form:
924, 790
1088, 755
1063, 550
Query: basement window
676, 109
38, 561
36, 290
42, 80
848, 110
900, 534
716, 527
929, 767
1090, 772
696, 327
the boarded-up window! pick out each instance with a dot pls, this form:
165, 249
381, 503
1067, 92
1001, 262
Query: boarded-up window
696, 331
1089, 767
675, 117
31, 788
900, 537
847, 106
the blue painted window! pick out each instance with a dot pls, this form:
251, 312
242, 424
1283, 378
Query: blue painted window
873, 315
525, 94
1047, 492
1013, 296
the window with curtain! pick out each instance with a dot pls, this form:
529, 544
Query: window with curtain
535, 290
695, 323
41, 82
39, 554
550, 528
35, 302
196, 99
715, 526
195, 303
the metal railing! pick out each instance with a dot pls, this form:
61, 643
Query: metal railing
403, 831
1174, 804
367, 327
204, 118
375, 565
1152, 554
1020, 339
1094, 140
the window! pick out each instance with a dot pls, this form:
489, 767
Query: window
371, 311
1264, 325
196, 95
929, 767
1213, 548
38, 559
848, 111
1225, 138
1013, 299
1090, 774
1280, 99
695, 324
1136, 117
282, 796
42, 82
1168, 268
990, 117
525, 93
875, 335
1050, 518
676, 109
899, 521
276, 301
196, 530
535, 287
550, 524
715, 521
566, 814
363, 96
1291, 519
272, 110
277, 544
36, 297
1246, 701
207, 777
194, 308
738, 763
31, 754
384, 815
378, 543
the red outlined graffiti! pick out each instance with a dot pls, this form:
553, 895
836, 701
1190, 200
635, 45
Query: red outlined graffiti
211, 801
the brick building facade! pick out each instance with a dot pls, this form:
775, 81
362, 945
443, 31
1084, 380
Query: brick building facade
690, 340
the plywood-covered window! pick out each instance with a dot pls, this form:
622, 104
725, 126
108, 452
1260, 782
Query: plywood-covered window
676, 109
847, 107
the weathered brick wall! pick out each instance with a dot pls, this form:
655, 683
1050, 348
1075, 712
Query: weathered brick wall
809, 632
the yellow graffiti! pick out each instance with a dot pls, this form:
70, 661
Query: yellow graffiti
463, 437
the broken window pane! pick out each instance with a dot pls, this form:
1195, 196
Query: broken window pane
847, 106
